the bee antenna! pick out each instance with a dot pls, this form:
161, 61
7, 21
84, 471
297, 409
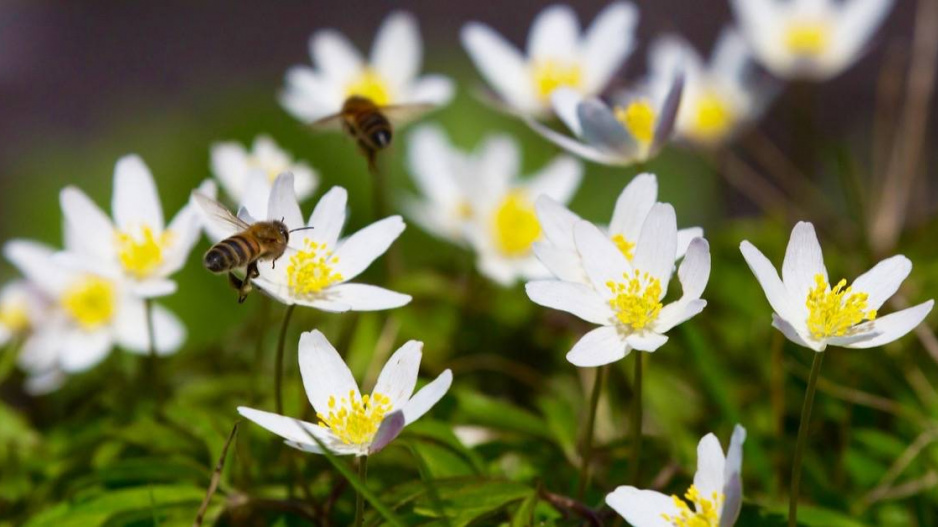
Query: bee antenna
302, 229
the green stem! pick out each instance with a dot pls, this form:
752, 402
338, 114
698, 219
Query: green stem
381, 208
588, 441
278, 365
359, 497
151, 343
637, 420
802, 439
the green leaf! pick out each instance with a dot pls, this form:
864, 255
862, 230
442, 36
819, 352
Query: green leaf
99, 509
483, 410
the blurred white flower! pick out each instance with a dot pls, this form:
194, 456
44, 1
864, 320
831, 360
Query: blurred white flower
234, 166
390, 77
713, 500
809, 39
22, 310
136, 244
350, 423
558, 55
558, 250
814, 314
625, 297
632, 131
504, 224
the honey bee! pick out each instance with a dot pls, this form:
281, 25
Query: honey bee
253, 243
369, 124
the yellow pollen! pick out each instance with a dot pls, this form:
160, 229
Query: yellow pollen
271, 169
312, 270
706, 511
835, 312
141, 253
515, 224
355, 420
91, 301
14, 316
712, 118
636, 301
639, 118
626, 247
549, 74
807, 39
370, 85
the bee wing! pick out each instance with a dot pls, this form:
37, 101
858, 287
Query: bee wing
329, 122
217, 211
404, 113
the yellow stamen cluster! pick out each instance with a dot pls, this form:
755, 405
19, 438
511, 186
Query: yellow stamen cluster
706, 513
91, 301
312, 269
807, 39
355, 420
834, 312
370, 85
515, 225
14, 316
626, 247
636, 301
640, 119
713, 118
549, 74
141, 252
272, 170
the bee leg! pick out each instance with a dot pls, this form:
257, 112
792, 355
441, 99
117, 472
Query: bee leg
235, 281
252, 271
246, 287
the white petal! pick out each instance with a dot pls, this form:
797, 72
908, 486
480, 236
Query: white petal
602, 260
603, 130
677, 313
498, 161
565, 102
684, 237
256, 196
633, 206
733, 485
646, 341
132, 330
803, 261
694, 272
136, 202
731, 55
287, 427
577, 299
390, 427
657, 244
558, 180
324, 372
82, 350
883, 280
230, 166
581, 149
432, 89
430, 159
554, 34
856, 23
775, 290
501, 64
556, 222
642, 508
607, 43
35, 261
88, 230
427, 397
895, 325
334, 55
310, 96
363, 297
184, 229
399, 375
359, 250
328, 217
563, 264
283, 205
711, 466
601, 346
397, 50
794, 335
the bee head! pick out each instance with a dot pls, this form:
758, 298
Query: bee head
282, 230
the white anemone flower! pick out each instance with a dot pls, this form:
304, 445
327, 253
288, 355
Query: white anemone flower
234, 165
94, 311
504, 224
389, 77
349, 423
558, 250
809, 39
625, 298
136, 243
814, 313
22, 310
713, 500
558, 55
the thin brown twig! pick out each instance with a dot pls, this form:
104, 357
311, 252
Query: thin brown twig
924, 439
565, 504
216, 478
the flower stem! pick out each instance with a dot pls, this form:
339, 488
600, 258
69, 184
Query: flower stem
151, 343
278, 365
381, 208
637, 420
359, 498
588, 441
802, 439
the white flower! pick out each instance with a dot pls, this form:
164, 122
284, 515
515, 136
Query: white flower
813, 314
504, 224
809, 39
719, 96
234, 166
136, 244
625, 298
716, 494
558, 250
632, 131
94, 312
349, 423
388, 78
558, 55
22, 310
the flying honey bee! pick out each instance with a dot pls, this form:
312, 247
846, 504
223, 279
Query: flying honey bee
370, 124
253, 243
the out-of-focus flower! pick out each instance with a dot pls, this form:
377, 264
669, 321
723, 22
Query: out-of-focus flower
350, 423
504, 224
809, 39
558, 55
625, 298
316, 267
813, 313
632, 131
713, 500
390, 77
22, 307
136, 244
234, 166
94, 311
558, 250
719, 96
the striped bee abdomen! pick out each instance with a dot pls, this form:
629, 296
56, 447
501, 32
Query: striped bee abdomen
231, 253
375, 128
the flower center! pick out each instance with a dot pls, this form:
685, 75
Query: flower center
356, 420
807, 39
706, 513
626, 247
550, 74
834, 312
91, 301
141, 252
636, 301
271, 169
639, 118
712, 119
516, 225
370, 85
14, 316
312, 270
